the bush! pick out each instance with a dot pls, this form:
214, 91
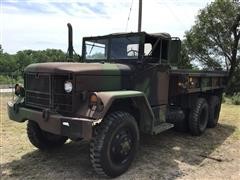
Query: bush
5, 79
223, 98
9, 80
236, 98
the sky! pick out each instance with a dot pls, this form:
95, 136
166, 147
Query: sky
42, 24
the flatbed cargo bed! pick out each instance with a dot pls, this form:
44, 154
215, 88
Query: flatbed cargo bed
201, 73
192, 81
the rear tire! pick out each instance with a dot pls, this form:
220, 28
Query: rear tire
214, 110
198, 117
41, 139
182, 126
115, 143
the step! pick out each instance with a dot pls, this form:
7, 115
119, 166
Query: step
162, 127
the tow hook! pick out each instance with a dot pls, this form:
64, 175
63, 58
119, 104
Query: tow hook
45, 114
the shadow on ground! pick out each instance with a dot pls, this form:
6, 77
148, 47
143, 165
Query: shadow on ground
159, 157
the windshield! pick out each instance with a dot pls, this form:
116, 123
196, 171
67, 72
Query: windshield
117, 48
96, 49
124, 47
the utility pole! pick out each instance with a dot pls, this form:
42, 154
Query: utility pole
140, 16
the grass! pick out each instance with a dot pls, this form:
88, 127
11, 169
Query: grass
168, 155
230, 114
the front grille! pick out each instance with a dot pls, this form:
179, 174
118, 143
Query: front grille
46, 91
38, 99
38, 82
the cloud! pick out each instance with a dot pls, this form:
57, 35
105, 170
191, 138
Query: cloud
64, 7
41, 24
76, 8
98, 8
72, 8
25, 7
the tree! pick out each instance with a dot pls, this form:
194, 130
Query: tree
1, 50
214, 39
7, 64
185, 62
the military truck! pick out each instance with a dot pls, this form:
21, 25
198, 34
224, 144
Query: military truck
125, 84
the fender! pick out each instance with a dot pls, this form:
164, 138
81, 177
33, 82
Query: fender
138, 98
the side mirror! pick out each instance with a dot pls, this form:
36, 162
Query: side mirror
174, 51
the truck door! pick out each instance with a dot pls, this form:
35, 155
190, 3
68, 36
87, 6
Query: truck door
154, 79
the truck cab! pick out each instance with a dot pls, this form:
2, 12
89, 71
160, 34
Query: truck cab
149, 58
123, 47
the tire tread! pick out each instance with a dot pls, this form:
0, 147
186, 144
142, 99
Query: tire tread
194, 117
97, 143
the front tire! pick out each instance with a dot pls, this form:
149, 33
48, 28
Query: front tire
41, 139
198, 117
115, 144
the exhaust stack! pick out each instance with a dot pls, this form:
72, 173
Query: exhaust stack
70, 41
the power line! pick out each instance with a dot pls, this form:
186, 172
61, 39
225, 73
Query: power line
130, 10
173, 14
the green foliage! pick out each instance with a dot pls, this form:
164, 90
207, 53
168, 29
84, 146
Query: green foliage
1, 50
223, 98
236, 99
213, 41
7, 63
12, 66
7, 79
210, 40
185, 61
234, 83
96, 56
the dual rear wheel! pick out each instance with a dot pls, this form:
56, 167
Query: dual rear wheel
204, 114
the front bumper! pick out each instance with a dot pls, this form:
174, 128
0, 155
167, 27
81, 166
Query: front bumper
71, 127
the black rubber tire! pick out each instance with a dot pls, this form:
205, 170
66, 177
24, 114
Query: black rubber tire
198, 118
43, 140
182, 126
104, 136
214, 111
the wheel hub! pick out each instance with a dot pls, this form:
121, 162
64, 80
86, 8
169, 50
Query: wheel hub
125, 146
121, 147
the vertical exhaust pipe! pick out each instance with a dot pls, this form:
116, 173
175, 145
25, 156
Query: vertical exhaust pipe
70, 41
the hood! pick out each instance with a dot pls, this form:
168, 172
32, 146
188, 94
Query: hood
80, 68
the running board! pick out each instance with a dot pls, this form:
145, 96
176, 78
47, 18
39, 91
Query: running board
162, 127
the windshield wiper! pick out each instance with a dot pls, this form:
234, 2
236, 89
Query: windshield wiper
92, 47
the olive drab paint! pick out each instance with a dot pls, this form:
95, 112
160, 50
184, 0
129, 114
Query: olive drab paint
150, 84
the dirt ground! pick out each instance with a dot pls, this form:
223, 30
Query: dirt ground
170, 155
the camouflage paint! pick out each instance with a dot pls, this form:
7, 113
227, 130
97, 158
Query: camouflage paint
150, 85
146, 116
54, 122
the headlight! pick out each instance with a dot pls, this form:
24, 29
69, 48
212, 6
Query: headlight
68, 86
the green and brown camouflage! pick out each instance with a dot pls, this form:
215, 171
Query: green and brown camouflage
143, 80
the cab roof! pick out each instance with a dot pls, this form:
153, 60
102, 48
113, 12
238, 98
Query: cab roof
122, 34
